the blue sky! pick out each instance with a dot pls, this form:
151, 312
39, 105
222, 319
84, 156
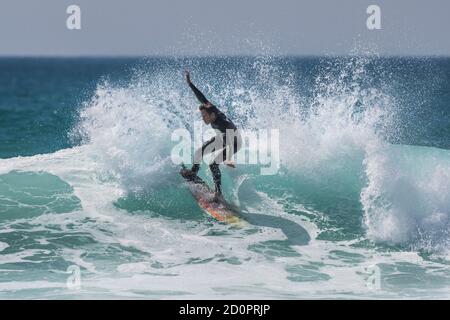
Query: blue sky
231, 27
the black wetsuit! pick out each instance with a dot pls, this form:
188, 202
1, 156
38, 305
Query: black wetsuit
224, 125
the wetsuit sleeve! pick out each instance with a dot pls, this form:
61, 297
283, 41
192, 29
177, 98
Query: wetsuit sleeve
198, 94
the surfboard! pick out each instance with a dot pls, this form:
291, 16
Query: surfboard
204, 195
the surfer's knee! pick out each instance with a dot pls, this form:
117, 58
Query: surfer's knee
215, 170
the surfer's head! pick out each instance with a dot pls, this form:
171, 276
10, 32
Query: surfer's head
208, 113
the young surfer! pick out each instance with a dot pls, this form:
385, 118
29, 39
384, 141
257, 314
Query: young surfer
228, 140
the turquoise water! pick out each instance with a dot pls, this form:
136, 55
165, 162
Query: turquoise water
359, 208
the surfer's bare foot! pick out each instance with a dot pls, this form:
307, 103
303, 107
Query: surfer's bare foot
230, 164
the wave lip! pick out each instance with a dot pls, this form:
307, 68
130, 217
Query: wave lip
407, 197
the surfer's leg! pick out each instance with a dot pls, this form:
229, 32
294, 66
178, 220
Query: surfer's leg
198, 156
217, 177
229, 149
215, 169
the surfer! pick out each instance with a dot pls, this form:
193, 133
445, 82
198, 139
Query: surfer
228, 139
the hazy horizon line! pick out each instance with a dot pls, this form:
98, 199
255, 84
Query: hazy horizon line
165, 56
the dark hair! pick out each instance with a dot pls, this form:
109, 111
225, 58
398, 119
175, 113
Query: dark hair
210, 110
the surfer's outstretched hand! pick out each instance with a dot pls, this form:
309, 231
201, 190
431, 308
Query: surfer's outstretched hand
230, 164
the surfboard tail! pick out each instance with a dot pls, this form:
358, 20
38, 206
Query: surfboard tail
202, 193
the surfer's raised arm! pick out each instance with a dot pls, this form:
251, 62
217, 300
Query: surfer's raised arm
197, 92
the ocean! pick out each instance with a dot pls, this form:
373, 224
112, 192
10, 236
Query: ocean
92, 206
